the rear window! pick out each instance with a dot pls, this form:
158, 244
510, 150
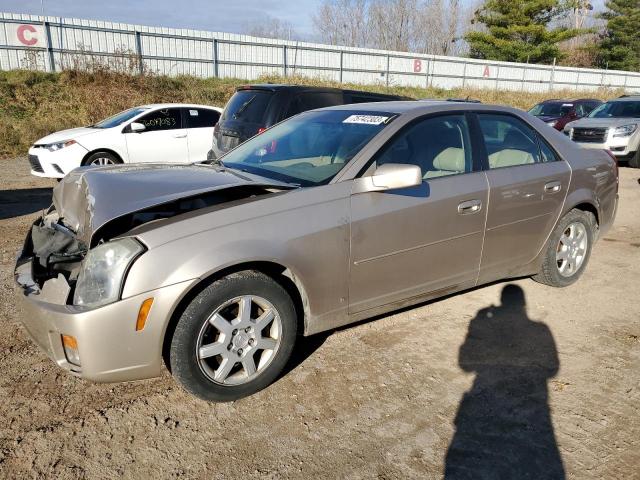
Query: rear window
201, 118
247, 106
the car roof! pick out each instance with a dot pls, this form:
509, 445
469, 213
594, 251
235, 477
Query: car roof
577, 100
310, 88
421, 107
176, 105
626, 98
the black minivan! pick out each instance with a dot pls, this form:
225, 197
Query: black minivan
254, 108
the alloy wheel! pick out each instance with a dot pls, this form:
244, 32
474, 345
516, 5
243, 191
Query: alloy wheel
572, 249
102, 161
239, 340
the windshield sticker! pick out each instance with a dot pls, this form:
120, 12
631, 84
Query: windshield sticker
193, 113
366, 119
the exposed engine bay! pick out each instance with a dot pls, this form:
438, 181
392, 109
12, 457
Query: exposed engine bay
58, 250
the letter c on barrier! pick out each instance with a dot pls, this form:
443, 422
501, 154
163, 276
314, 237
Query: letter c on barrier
26, 35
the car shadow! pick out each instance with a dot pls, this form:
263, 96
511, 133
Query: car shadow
503, 423
17, 202
303, 349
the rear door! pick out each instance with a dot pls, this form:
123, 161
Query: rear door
199, 123
528, 183
408, 242
163, 140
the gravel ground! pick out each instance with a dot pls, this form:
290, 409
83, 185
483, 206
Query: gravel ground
544, 385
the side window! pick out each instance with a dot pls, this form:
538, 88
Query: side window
201, 117
164, 119
509, 141
312, 100
581, 110
440, 146
588, 107
546, 153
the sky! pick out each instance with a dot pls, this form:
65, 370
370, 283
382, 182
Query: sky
213, 15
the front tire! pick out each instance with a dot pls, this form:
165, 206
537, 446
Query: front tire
100, 159
634, 162
234, 338
568, 249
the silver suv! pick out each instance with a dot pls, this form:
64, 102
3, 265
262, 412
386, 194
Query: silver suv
613, 126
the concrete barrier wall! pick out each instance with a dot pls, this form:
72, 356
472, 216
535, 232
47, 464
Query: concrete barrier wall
52, 43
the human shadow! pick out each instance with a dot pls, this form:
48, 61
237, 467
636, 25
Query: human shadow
503, 424
14, 203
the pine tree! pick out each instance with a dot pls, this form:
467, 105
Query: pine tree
620, 46
518, 31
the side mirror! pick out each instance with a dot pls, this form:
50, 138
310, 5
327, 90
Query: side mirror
137, 127
390, 176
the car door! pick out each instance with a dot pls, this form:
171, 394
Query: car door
163, 140
406, 243
528, 183
199, 123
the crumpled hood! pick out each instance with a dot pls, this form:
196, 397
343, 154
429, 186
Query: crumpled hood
89, 197
603, 122
70, 134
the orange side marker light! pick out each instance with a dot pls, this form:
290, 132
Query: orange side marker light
143, 314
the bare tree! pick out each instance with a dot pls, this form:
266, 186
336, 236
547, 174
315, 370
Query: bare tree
425, 26
342, 22
391, 23
270, 27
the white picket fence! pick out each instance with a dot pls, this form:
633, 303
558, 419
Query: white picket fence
52, 43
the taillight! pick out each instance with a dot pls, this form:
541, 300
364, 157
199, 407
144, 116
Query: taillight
260, 130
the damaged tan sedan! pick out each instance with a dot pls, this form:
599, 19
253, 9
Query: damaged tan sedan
330, 217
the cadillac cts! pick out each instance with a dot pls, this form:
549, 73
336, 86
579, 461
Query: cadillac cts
327, 218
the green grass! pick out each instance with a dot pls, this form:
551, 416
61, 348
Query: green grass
34, 104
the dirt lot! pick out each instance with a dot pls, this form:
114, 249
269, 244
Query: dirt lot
387, 398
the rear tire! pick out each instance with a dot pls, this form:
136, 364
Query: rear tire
101, 159
568, 250
234, 338
634, 162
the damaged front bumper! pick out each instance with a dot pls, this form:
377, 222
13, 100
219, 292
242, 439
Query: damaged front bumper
110, 349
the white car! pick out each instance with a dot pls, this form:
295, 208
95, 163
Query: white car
613, 126
171, 132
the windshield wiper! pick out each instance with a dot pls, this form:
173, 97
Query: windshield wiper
243, 107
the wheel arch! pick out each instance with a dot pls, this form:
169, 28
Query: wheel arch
277, 272
585, 200
588, 207
96, 150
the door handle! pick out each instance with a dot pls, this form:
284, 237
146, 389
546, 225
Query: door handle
552, 187
470, 206
180, 135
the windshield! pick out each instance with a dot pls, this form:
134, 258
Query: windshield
619, 109
309, 149
551, 109
247, 105
120, 118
